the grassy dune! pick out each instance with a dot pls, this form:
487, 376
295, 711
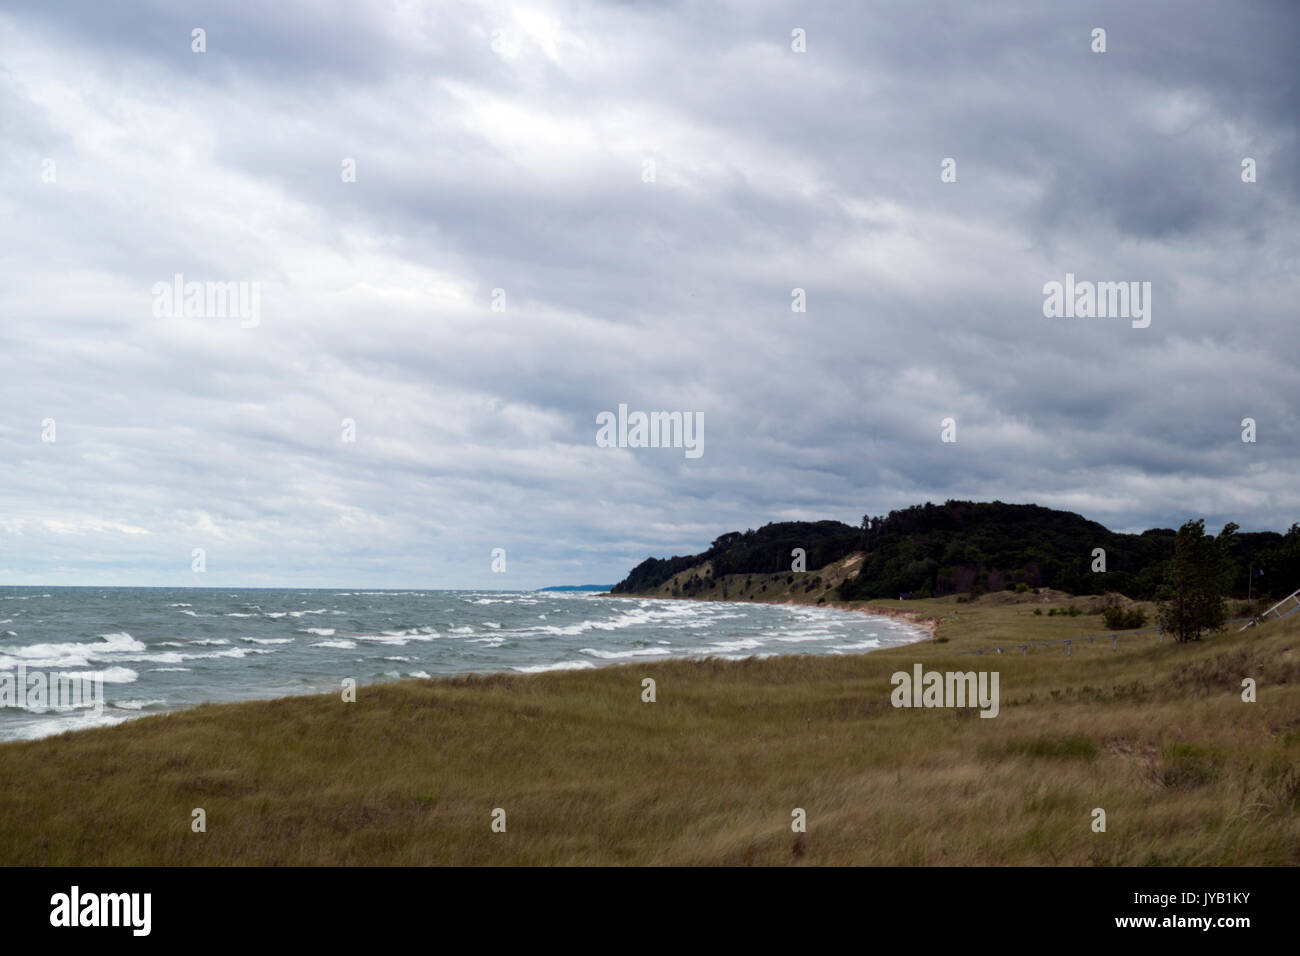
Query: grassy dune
1156, 734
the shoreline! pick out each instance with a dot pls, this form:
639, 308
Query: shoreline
928, 623
915, 618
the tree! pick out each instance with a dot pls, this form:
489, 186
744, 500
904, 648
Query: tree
1193, 600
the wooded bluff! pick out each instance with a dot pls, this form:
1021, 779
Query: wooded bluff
931, 550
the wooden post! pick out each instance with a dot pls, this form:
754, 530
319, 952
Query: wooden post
1114, 642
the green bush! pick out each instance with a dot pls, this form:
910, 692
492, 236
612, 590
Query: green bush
1119, 619
1251, 608
1186, 766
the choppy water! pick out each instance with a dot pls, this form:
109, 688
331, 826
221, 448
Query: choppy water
162, 649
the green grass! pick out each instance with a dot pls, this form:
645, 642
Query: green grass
1157, 735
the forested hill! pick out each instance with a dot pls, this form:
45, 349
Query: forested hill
933, 550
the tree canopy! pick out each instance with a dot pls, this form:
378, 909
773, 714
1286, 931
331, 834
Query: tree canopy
958, 546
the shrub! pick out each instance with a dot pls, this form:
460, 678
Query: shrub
1186, 766
1251, 608
1121, 619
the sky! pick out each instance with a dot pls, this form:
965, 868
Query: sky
465, 230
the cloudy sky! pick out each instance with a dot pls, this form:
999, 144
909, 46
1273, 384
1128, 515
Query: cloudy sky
647, 183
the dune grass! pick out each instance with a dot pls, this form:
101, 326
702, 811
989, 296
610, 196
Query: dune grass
1155, 734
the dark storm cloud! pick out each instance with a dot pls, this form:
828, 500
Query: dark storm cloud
502, 146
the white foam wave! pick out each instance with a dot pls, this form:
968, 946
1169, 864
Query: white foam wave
395, 638
620, 655
69, 654
743, 644
561, 666
32, 730
110, 675
137, 704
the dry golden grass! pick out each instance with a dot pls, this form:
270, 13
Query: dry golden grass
1156, 734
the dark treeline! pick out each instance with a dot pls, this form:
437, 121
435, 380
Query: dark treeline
962, 546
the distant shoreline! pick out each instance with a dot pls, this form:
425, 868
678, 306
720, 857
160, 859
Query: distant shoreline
928, 622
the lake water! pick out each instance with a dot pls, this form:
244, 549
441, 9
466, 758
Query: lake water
161, 649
